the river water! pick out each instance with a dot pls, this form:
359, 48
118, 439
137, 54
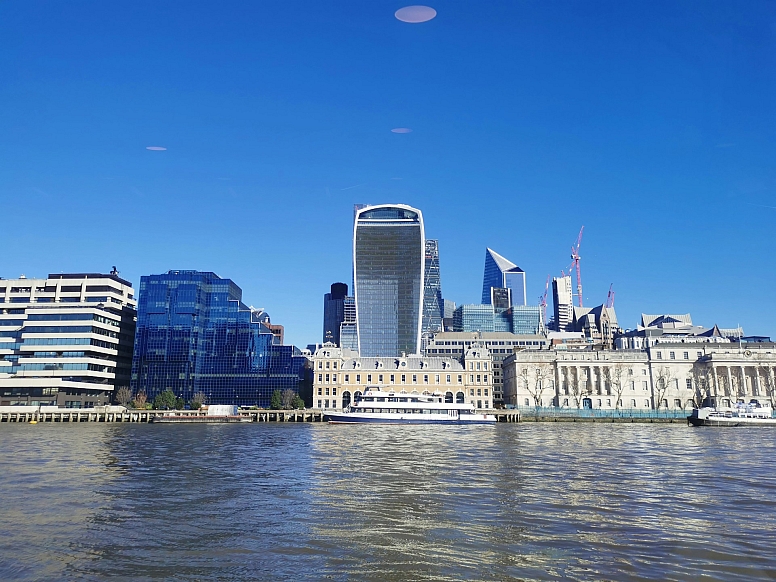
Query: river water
300, 501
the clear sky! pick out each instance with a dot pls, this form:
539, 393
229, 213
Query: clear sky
652, 123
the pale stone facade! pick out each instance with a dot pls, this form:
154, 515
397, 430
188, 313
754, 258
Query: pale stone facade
341, 376
664, 377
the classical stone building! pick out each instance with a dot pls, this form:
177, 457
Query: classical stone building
341, 376
665, 376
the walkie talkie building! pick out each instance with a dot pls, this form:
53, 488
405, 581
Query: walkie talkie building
388, 267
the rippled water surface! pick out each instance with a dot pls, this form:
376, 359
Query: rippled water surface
294, 501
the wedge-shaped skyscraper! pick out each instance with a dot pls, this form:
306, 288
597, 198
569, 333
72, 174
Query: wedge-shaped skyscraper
501, 273
388, 269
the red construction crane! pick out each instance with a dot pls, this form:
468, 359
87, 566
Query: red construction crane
575, 264
610, 297
543, 301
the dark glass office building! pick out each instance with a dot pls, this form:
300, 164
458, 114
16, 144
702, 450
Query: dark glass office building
433, 304
334, 312
388, 265
194, 334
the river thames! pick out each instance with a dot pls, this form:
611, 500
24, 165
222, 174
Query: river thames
301, 501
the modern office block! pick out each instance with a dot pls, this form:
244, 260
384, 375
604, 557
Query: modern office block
388, 269
474, 318
348, 327
66, 340
194, 334
502, 273
432, 290
527, 320
334, 312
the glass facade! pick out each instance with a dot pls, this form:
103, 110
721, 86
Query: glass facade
194, 334
474, 318
527, 319
502, 273
433, 303
334, 312
388, 264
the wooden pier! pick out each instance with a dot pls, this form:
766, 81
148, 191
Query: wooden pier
72, 415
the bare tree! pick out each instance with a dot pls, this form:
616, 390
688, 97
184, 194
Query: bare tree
140, 399
769, 382
198, 400
701, 382
663, 381
613, 377
576, 390
288, 398
123, 395
737, 388
539, 385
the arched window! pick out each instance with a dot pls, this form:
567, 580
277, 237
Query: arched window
459, 398
345, 399
357, 396
448, 397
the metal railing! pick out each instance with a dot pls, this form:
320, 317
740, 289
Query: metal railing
557, 412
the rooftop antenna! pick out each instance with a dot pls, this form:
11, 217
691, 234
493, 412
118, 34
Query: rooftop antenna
610, 297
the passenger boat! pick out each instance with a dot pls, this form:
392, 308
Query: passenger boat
378, 406
752, 414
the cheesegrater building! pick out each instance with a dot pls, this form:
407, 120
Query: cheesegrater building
388, 277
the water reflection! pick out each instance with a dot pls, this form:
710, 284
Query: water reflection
290, 502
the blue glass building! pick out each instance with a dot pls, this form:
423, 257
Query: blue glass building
388, 269
501, 273
194, 334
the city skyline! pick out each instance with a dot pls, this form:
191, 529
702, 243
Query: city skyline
649, 123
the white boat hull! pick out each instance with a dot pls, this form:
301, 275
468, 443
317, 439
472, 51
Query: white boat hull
391, 418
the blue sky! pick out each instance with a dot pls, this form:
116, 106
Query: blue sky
651, 123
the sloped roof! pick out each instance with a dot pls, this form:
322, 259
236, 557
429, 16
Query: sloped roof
656, 320
502, 263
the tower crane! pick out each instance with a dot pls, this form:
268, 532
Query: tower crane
610, 297
543, 301
575, 263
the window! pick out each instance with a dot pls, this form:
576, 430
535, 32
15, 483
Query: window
485, 378
700, 354
608, 401
347, 378
527, 402
437, 378
478, 378
633, 403
335, 365
448, 378
479, 391
320, 402
320, 378
393, 379
478, 365
327, 378
403, 378
686, 355
486, 391
688, 383
672, 355
485, 366
358, 378
414, 378
327, 390
471, 378
659, 355
380, 378
425, 378
565, 402
677, 403
460, 378
334, 378
320, 392
334, 391
320, 367
369, 378
327, 365
643, 371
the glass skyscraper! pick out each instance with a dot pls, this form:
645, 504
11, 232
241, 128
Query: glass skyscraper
504, 274
194, 334
433, 303
388, 273
334, 312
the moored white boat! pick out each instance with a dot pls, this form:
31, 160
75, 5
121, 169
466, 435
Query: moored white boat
752, 414
377, 406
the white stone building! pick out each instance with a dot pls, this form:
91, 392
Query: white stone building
666, 376
340, 376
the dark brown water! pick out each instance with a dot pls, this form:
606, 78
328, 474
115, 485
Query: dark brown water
290, 502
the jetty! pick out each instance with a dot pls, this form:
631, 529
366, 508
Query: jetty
111, 414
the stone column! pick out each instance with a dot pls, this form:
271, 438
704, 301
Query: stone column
716, 383
743, 382
757, 387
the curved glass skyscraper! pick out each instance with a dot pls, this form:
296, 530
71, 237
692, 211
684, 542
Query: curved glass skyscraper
388, 266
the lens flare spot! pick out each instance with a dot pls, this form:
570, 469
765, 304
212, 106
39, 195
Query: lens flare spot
415, 14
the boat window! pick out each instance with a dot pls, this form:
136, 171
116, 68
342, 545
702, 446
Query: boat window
380, 400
